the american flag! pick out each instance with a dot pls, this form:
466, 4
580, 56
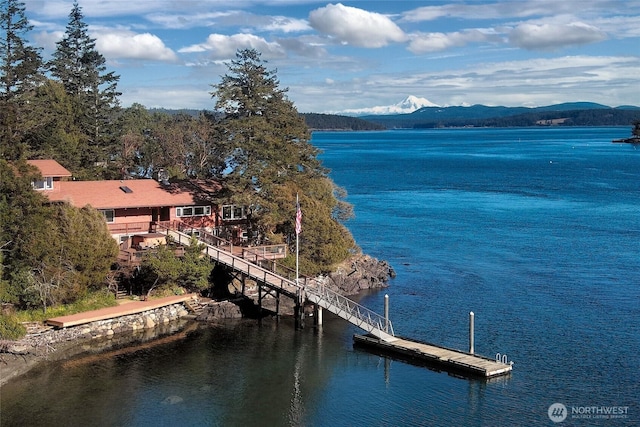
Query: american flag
298, 218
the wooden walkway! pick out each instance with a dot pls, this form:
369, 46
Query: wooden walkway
446, 358
133, 307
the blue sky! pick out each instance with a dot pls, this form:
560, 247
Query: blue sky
354, 55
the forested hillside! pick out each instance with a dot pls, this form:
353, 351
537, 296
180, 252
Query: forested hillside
253, 142
337, 122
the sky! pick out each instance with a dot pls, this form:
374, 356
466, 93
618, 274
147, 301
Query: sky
355, 55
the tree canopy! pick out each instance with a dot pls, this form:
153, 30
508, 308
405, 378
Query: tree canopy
253, 142
52, 253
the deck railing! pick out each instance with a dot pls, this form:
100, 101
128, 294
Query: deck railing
130, 228
269, 252
349, 310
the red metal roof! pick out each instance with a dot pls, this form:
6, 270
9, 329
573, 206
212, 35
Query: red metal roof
131, 193
50, 168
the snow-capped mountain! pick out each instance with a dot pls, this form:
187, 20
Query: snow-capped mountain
408, 105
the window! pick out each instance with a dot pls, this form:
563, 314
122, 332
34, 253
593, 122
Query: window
109, 215
233, 212
45, 184
193, 211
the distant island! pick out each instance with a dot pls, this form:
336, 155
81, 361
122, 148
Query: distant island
635, 135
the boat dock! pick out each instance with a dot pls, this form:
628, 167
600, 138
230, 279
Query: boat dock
460, 362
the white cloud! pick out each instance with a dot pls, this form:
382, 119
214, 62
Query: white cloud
433, 42
187, 19
303, 48
48, 40
505, 9
286, 25
221, 46
129, 45
554, 36
355, 26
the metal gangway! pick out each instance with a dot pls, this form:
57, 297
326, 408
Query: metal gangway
310, 289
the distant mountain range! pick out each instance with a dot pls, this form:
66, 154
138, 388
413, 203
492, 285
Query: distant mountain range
570, 113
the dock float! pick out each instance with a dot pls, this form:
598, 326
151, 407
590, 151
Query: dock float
451, 360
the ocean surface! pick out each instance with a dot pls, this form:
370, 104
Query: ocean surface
537, 231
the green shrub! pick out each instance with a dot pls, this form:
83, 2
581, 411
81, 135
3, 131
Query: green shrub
11, 328
92, 301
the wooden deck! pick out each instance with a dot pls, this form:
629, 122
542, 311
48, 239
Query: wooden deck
442, 357
133, 307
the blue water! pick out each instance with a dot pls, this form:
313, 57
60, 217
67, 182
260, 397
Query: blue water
537, 231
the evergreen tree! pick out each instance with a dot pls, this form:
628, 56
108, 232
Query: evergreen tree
56, 134
269, 160
20, 72
21, 63
82, 71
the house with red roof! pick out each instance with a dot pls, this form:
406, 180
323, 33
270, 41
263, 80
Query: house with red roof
134, 208
51, 172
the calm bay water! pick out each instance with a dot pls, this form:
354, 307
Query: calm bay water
535, 230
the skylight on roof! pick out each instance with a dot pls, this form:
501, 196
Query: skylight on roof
126, 189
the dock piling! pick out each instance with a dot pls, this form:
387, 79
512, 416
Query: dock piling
471, 326
386, 312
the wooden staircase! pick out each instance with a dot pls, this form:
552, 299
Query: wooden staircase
194, 307
121, 292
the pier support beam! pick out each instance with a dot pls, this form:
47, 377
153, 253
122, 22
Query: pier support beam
298, 311
317, 315
471, 331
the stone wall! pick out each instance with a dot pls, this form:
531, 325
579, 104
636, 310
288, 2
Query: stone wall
105, 328
133, 322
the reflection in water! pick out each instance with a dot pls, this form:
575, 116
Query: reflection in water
238, 373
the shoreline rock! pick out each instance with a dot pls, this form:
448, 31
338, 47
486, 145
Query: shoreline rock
359, 274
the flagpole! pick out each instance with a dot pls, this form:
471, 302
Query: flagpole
297, 241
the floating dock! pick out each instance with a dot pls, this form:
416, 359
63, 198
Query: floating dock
455, 361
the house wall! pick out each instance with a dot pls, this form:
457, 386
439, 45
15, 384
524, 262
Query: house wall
123, 216
199, 221
129, 222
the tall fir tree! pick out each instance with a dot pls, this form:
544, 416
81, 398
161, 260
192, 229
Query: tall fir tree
269, 159
82, 71
20, 74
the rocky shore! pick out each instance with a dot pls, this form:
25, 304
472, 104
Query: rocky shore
17, 357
